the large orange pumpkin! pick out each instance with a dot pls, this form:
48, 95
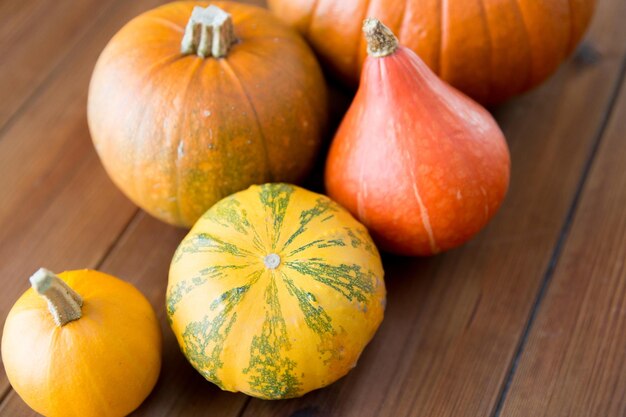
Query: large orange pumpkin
185, 110
489, 49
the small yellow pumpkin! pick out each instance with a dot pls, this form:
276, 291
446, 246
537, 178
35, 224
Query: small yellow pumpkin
275, 292
82, 343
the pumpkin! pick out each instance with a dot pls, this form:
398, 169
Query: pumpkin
275, 292
188, 105
420, 164
489, 49
81, 344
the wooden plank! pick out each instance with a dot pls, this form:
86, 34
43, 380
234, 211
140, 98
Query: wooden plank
35, 38
575, 360
58, 208
454, 322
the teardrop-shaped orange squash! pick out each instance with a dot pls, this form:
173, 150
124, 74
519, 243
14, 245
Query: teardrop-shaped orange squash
420, 164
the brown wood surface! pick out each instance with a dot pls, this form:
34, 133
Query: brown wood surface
576, 351
35, 40
525, 320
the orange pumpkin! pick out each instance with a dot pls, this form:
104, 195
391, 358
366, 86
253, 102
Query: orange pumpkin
489, 49
81, 344
420, 164
187, 106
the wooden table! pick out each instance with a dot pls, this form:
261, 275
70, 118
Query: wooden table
528, 319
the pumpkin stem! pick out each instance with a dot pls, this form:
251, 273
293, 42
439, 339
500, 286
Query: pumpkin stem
63, 302
381, 41
209, 33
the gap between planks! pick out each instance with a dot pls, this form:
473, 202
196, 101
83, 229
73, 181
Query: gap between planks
244, 407
5, 394
54, 70
134, 219
563, 235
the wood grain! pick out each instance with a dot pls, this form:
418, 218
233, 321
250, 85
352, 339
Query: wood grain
454, 322
575, 360
35, 38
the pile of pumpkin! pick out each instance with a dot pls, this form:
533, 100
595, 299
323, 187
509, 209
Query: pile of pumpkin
276, 290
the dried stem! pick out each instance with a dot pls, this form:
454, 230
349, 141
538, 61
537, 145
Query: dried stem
381, 41
209, 33
63, 302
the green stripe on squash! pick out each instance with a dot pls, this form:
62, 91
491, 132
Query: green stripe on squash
292, 317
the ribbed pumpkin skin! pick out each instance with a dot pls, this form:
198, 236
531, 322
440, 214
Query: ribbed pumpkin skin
275, 333
101, 365
489, 49
178, 133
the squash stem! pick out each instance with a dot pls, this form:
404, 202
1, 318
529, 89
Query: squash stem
381, 41
272, 261
63, 302
209, 33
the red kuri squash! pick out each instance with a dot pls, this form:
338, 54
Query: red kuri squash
189, 105
421, 165
489, 49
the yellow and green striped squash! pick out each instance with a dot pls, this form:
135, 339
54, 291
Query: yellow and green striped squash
275, 292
